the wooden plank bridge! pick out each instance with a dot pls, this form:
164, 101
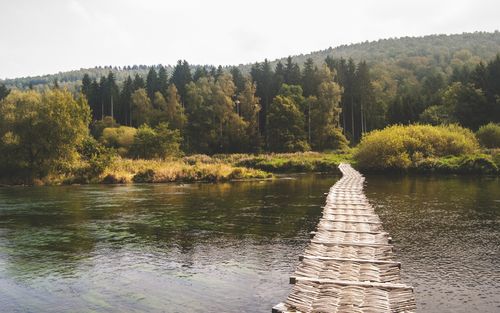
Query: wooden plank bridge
349, 264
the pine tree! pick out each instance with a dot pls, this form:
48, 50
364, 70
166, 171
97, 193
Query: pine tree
201, 71
114, 108
126, 102
181, 77
309, 78
162, 80
238, 79
152, 83
292, 72
263, 76
138, 82
86, 85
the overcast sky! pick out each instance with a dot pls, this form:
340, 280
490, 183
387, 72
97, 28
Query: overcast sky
43, 37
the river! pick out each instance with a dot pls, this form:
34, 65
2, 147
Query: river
231, 247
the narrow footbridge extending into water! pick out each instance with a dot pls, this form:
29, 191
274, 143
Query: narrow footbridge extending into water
349, 265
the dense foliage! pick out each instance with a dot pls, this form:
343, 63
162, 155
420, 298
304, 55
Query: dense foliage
313, 102
40, 132
489, 135
402, 147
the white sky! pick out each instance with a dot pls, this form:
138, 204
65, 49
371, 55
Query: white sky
48, 36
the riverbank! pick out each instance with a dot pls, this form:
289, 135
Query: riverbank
228, 167
217, 168
484, 163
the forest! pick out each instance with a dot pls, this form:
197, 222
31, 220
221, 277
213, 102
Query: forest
280, 106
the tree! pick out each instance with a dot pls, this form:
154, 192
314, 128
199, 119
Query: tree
4, 91
138, 82
201, 71
40, 133
162, 80
86, 85
238, 79
292, 72
94, 99
213, 126
174, 112
126, 101
152, 83
181, 77
159, 142
469, 105
263, 76
286, 126
365, 100
309, 78
325, 118
248, 109
141, 108
112, 96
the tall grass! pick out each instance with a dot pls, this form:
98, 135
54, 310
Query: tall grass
175, 170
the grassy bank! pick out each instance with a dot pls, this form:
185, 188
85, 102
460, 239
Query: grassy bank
290, 162
487, 163
217, 168
175, 170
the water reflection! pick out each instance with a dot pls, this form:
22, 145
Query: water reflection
156, 248
231, 247
447, 235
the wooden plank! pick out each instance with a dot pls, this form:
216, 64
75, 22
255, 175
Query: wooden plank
349, 231
368, 284
354, 214
347, 243
348, 221
326, 258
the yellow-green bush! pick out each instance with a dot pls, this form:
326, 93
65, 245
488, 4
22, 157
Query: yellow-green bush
401, 147
489, 135
120, 138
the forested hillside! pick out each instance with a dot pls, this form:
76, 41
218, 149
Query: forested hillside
304, 102
388, 58
322, 102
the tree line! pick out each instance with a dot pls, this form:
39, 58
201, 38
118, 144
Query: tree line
223, 111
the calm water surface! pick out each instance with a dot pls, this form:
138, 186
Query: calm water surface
231, 247
155, 248
447, 236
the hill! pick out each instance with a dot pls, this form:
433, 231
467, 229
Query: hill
392, 61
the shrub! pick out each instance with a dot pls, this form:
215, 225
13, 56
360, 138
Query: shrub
97, 127
158, 142
489, 135
120, 138
96, 158
401, 147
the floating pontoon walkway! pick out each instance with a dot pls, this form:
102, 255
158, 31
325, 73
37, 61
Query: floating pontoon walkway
349, 265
